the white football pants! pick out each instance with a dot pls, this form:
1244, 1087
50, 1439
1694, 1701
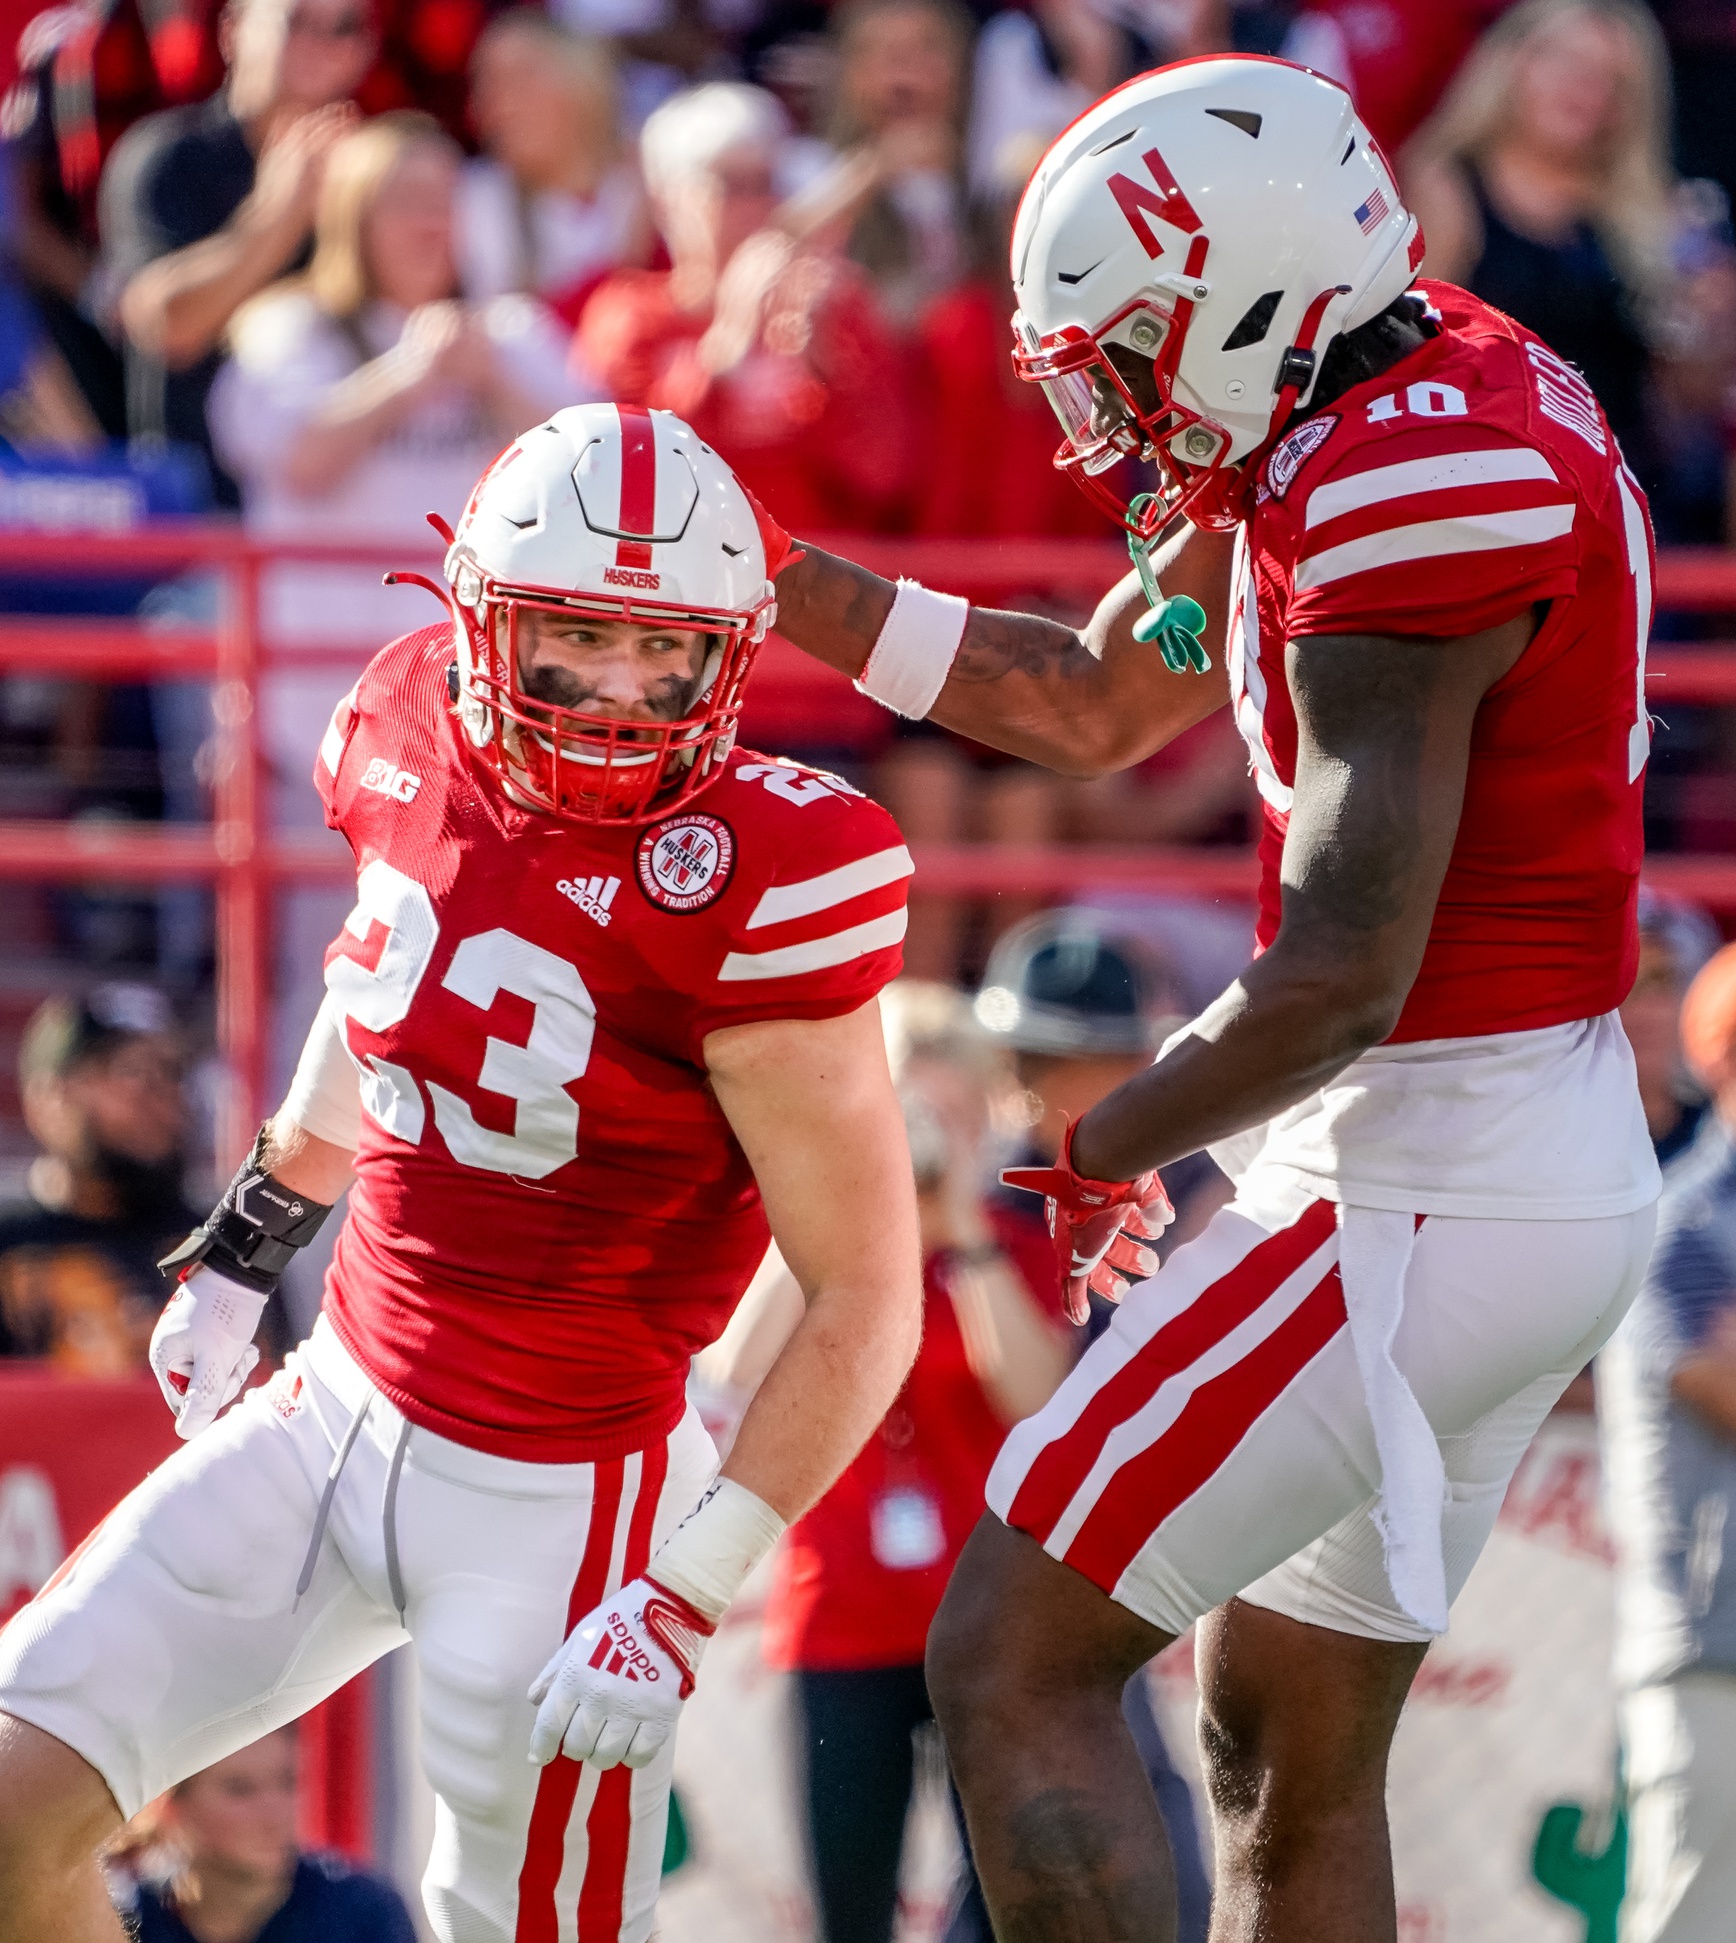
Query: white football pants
175, 1636
1216, 1439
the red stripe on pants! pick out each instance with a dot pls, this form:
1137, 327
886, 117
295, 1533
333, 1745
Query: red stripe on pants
1148, 1487
609, 1826
1058, 1470
545, 1846
638, 472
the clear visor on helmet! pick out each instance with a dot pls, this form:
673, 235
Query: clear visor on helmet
1106, 391
1113, 395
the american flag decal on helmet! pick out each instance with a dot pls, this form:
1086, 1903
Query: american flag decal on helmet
1372, 213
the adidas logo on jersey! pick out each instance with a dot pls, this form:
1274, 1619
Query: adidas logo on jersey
387, 779
593, 895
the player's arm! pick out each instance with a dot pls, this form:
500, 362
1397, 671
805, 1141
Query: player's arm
1084, 702
229, 1267
811, 1102
1384, 738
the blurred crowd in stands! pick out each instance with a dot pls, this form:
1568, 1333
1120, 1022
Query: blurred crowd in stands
341, 246
313, 262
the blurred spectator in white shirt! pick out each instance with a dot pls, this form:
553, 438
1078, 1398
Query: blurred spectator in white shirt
555, 202
365, 394
359, 398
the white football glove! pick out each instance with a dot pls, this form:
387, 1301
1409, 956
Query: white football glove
202, 1347
614, 1690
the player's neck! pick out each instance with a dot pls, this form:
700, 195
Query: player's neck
1354, 357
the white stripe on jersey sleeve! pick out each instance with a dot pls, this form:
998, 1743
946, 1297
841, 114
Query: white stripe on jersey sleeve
331, 744
1441, 473
817, 953
785, 901
1431, 539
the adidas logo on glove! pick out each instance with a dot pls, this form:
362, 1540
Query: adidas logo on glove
618, 1652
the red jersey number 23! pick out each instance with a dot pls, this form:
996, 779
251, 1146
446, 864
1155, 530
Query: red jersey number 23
545, 1132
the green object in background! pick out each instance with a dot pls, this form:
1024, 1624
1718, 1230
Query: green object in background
676, 1848
1591, 1882
1175, 625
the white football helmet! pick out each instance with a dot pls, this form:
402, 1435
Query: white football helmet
1223, 218
627, 514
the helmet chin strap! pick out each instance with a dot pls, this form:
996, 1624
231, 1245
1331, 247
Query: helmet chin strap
1297, 372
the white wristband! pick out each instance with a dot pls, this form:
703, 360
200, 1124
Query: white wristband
716, 1546
915, 650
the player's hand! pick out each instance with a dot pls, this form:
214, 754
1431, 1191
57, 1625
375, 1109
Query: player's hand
781, 551
202, 1348
614, 1690
1102, 1229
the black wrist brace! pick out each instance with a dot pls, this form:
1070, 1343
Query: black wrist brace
253, 1232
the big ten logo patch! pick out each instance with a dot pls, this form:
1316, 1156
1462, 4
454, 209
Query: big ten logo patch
685, 864
387, 779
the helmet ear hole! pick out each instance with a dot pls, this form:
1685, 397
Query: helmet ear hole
1255, 322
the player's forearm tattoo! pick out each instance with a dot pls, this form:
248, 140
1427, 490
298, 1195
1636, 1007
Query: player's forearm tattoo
997, 644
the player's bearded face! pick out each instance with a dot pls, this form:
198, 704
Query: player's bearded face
611, 668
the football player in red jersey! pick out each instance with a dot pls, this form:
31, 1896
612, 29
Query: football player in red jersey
605, 1008
1299, 1433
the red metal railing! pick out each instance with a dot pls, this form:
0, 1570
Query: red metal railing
245, 860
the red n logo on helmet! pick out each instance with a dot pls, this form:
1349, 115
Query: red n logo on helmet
1167, 203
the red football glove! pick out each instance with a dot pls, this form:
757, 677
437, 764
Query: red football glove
1102, 1229
781, 550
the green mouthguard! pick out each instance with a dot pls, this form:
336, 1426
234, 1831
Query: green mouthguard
1174, 623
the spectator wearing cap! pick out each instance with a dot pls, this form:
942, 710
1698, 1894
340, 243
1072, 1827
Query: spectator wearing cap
202, 207
101, 1083
858, 1579
215, 1860
1081, 1008
1666, 1389
765, 340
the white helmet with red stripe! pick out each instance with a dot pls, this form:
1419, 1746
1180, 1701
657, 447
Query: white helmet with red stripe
629, 515
1183, 254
